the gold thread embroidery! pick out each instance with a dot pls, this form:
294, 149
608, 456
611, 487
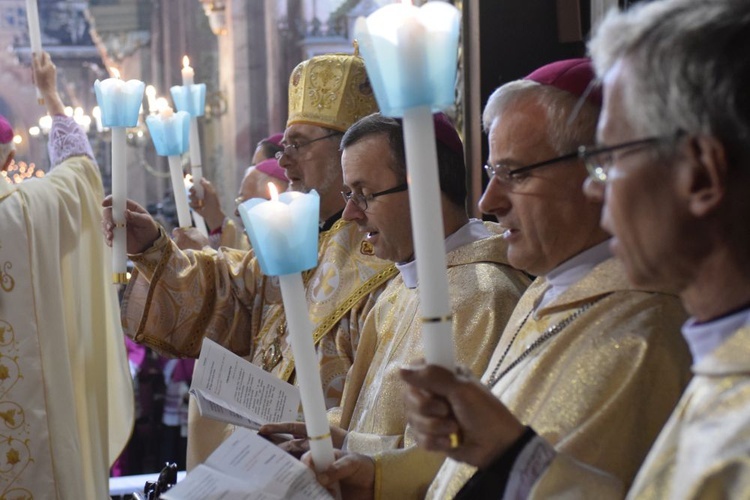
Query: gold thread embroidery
6, 280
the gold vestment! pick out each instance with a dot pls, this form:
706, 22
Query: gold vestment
601, 388
176, 298
232, 236
484, 290
704, 450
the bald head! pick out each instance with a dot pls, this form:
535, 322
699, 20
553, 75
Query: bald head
255, 185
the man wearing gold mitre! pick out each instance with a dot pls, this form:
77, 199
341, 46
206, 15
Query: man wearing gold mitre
177, 298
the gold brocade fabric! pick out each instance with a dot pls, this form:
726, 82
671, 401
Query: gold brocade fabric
704, 450
331, 91
176, 298
232, 236
484, 291
602, 388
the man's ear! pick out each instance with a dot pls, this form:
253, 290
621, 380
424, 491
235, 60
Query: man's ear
8, 160
708, 174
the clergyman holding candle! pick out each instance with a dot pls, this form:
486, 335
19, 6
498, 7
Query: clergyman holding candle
67, 390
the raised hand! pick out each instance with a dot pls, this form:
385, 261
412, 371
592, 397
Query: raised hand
45, 78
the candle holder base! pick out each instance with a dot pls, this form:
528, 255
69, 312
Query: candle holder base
120, 278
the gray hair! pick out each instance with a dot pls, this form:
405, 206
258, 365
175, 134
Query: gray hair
690, 67
570, 123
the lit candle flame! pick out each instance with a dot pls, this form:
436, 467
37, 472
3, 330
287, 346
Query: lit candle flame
185, 62
188, 181
162, 103
273, 191
115, 73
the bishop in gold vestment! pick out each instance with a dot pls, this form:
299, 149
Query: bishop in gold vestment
176, 299
484, 290
600, 388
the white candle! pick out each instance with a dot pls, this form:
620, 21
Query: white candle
151, 99
165, 110
188, 76
195, 156
35, 35
119, 195
269, 225
178, 187
121, 94
429, 239
187, 72
308, 372
411, 37
175, 170
97, 114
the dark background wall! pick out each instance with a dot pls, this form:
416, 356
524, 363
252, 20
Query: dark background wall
518, 36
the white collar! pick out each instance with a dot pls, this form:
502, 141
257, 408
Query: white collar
572, 271
703, 338
472, 231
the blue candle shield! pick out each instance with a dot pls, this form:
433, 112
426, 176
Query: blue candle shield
190, 98
285, 235
171, 135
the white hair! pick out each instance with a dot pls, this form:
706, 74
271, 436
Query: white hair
569, 123
689, 67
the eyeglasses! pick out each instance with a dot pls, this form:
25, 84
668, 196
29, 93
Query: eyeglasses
598, 161
292, 150
504, 174
361, 200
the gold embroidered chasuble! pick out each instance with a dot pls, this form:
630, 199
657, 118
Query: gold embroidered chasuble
484, 290
66, 399
601, 388
232, 236
704, 450
176, 298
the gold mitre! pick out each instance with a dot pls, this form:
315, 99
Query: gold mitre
331, 91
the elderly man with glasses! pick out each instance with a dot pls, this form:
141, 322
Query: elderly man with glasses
176, 298
672, 169
593, 364
484, 289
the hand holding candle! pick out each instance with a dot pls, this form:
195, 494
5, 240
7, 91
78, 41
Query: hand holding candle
284, 235
119, 103
198, 221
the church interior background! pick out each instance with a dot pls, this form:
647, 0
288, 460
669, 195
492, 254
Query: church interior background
244, 51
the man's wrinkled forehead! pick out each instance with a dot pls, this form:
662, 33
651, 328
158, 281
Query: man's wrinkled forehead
305, 131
